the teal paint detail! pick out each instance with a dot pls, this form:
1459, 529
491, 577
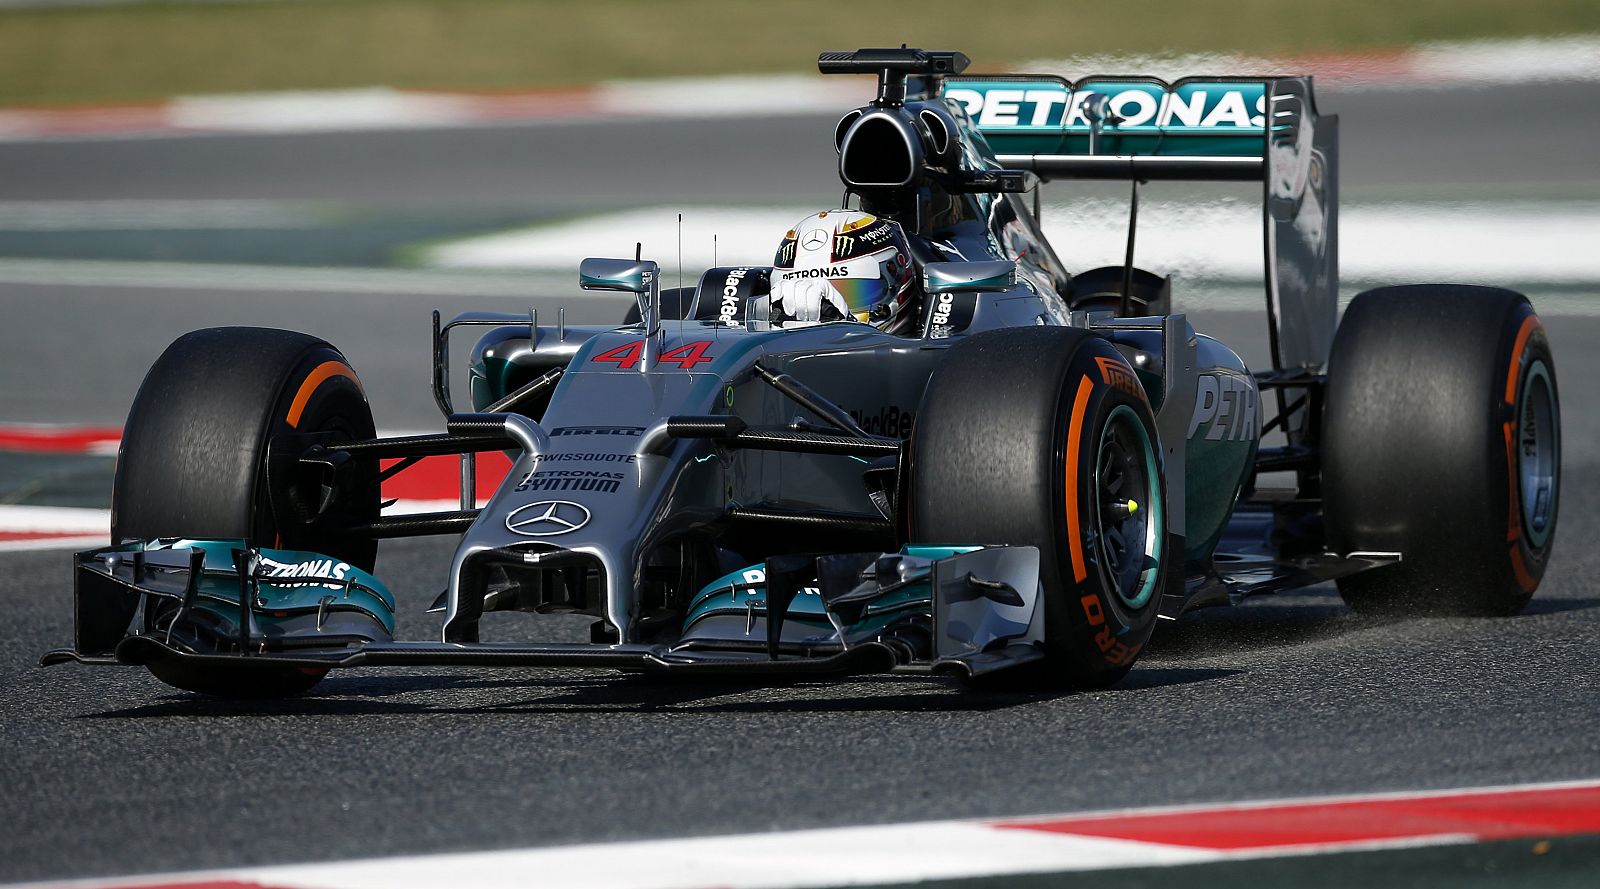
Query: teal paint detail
629, 275
487, 381
489, 374
939, 552
1151, 575
942, 280
1044, 115
628, 283
276, 601
1224, 432
736, 591
1215, 473
741, 591
1154, 387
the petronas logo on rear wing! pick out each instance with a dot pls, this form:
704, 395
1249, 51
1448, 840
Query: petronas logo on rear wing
1030, 104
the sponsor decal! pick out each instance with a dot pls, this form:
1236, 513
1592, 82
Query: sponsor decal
1050, 105
597, 430
584, 458
815, 239
598, 481
547, 518
755, 576
1118, 376
313, 568
861, 242
1226, 406
941, 315
889, 420
730, 295
950, 315
832, 271
1117, 653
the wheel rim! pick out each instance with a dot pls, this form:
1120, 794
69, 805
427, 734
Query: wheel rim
1538, 454
1129, 510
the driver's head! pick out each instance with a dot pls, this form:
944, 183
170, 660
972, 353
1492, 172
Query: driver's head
844, 265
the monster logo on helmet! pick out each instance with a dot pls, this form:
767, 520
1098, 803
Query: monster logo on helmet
844, 265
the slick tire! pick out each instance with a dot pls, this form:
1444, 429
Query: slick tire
1442, 442
193, 459
1041, 437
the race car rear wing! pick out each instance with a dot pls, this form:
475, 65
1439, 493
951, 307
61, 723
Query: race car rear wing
1195, 129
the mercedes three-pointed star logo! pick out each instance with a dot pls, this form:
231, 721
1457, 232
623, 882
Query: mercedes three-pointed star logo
547, 518
814, 240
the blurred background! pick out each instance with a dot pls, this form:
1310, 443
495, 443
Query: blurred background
345, 166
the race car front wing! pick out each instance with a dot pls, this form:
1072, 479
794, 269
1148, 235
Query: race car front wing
227, 604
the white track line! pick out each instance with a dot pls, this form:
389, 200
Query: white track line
67, 527
65, 519
156, 215
1523, 242
856, 856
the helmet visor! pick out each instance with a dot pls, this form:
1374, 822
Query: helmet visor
860, 294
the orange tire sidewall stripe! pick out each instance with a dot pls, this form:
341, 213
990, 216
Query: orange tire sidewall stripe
1529, 325
320, 374
1514, 518
1080, 404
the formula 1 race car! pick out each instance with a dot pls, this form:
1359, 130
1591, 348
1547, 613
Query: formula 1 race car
1015, 488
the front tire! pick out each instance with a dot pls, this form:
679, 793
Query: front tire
193, 460
1043, 437
1442, 443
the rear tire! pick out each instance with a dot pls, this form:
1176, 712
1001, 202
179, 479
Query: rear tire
1443, 443
194, 454
1040, 437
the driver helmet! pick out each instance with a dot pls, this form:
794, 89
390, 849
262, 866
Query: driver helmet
843, 265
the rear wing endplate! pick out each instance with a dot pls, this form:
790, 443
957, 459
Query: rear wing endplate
1260, 129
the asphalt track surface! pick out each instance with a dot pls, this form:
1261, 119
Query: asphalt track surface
106, 771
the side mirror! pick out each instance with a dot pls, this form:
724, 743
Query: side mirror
640, 277
968, 277
625, 275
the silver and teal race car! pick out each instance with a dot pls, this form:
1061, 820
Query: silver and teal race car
1015, 491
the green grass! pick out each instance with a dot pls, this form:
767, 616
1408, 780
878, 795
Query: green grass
148, 51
